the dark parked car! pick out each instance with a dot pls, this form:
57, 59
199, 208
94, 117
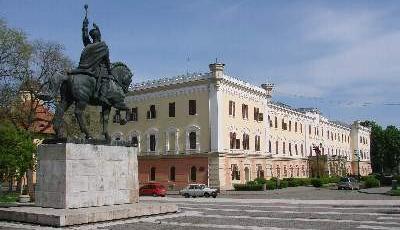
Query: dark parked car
348, 183
152, 189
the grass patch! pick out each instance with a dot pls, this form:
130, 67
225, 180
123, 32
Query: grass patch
9, 197
395, 192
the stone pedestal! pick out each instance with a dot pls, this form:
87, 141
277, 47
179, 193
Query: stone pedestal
83, 175
82, 183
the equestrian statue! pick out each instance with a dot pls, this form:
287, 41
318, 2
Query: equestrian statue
95, 82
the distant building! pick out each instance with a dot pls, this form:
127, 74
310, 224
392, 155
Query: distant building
215, 129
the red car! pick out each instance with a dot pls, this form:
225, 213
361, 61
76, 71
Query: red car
152, 189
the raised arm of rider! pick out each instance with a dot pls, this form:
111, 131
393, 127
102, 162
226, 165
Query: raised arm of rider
85, 32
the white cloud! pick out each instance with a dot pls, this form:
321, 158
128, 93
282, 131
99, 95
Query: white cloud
363, 64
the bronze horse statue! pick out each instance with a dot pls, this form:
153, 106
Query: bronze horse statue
80, 89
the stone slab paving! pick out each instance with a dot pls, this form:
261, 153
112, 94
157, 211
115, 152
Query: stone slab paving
255, 214
66, 217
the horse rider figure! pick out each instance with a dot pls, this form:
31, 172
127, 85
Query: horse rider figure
95, 60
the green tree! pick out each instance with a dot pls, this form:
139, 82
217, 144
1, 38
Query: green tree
16, 152
392, 149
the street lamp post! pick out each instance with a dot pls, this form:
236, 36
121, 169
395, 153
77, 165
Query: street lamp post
357, 153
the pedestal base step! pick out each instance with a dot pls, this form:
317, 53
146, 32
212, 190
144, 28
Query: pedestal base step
66, 217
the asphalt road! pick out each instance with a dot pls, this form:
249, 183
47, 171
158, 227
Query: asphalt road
254, 214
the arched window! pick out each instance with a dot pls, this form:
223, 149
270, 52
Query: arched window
247, 174
276, 147
192, 140
135, 141
193, 172
152, 174
269, 147
172, 173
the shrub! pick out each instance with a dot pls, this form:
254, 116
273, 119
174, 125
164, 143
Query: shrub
251, 183
316, 182
325, 180
394, 192
271, 185
293, 182
260, 180
283, 184
305, 181
247, 187
371, 182
334, 179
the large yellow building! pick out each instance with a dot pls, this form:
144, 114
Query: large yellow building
215, 129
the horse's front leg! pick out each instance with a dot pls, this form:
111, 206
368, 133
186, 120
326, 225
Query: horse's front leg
105, 117
58, 117
79, 109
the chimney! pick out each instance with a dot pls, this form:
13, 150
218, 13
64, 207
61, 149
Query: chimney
217, 69
268, 88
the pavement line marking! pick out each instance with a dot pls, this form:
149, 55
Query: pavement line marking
282, 201
299, 219
94, 226
291, 207
223, 226
377, 227
291, 212
387, 218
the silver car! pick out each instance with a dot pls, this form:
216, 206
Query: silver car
348, 183
195, 190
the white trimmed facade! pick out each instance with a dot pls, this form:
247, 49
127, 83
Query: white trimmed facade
235, 128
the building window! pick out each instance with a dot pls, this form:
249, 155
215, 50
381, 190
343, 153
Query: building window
284, 125
245, 111
284, 171
284, 147
117, 117
301, 128
192, 107
135, 141
192, 140
276, 122
235, 172
295, 127
290, 149
232, 108
260, 171
270, 121
171, 109
193, 172
309, 129
256, 113
295, 149
302, 150
151, 113
269, 147
290, 126
152, 174
257, 143
276, 147
172, 173
153, 143
246, 141
234, 143
133, 114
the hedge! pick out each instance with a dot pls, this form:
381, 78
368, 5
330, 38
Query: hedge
271, 185
248, 187
316, 182
371, 182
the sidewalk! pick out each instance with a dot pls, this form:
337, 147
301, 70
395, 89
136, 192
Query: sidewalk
380, 190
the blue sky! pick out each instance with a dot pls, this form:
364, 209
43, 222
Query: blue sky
340, 56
